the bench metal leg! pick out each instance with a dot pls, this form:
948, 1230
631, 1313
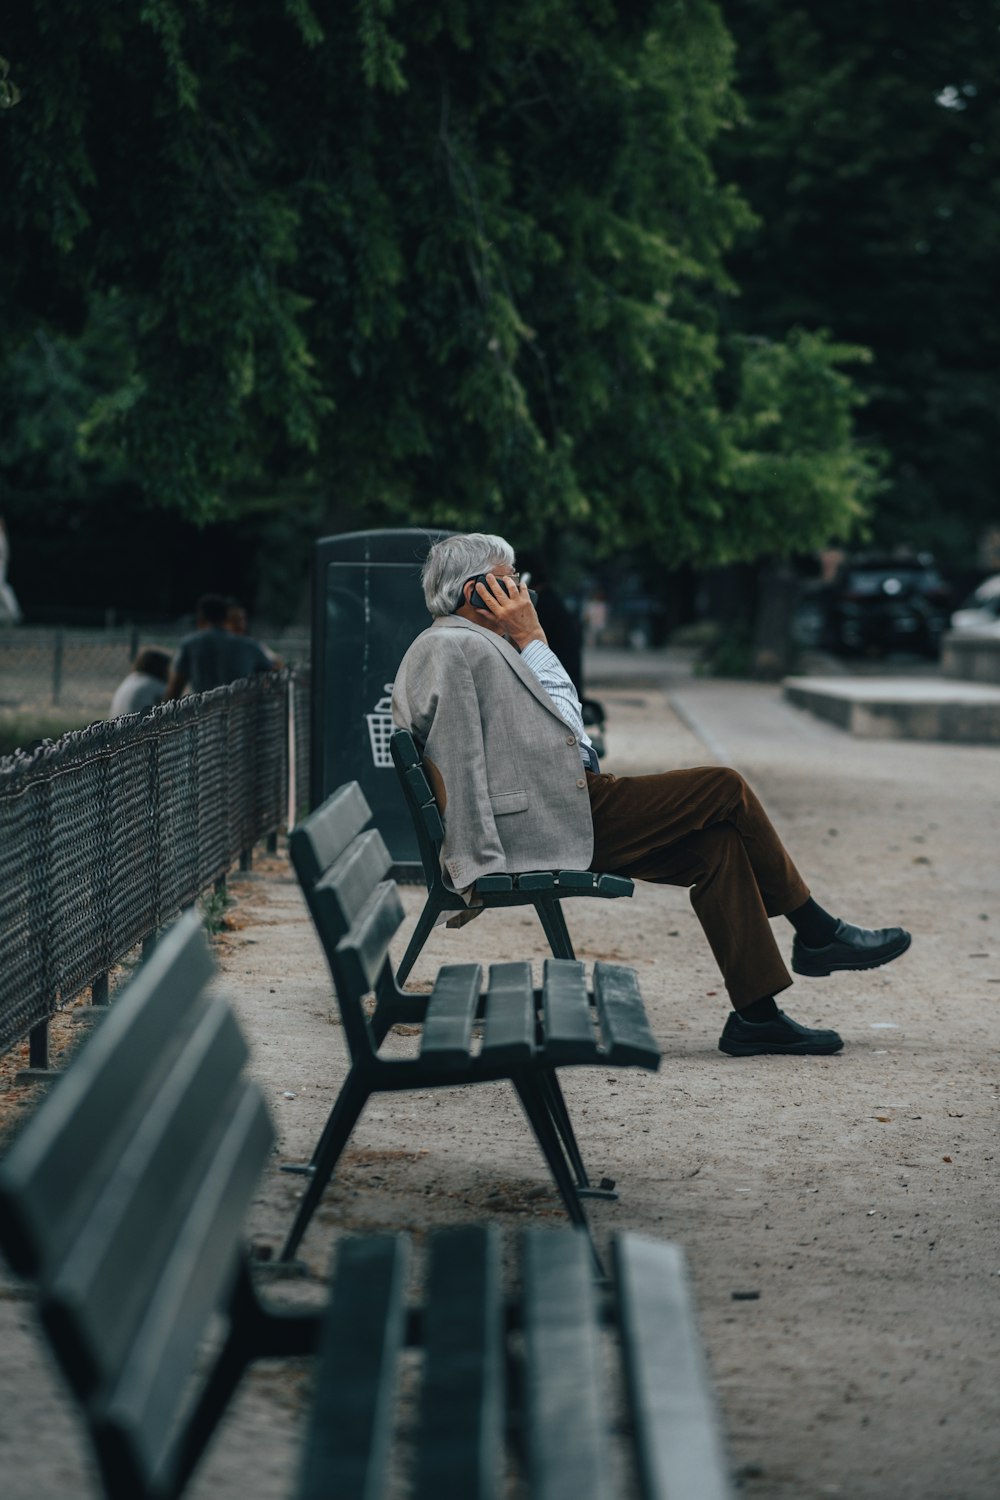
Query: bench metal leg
343, 1118
421, 933
533, 1102
550, 914
561, 1120
38, 1069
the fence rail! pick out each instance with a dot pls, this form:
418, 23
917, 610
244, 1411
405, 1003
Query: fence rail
108, 832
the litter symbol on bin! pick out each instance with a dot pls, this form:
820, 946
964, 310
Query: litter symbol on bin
380, 728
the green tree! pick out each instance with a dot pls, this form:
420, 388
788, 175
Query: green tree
871, 150
448, 261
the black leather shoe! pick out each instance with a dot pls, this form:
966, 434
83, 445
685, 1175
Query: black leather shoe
851, 948
752, 1038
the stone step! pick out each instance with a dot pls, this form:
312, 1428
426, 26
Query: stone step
902, 708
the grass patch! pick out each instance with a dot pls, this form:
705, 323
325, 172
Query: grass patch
213, 911
24, 730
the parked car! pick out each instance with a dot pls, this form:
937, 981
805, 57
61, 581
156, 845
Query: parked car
877, 604
981, 611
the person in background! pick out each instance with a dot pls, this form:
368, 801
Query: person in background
144, 685
238, 623
213, 656
10, 610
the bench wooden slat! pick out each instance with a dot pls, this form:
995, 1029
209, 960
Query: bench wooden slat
679, 1443
432, 821
487, 883
615, 885
404, 748
566, 1405
347, 1445
323, 837
352, 878
366, 946
462, 1407
136, 1419
509, 1033
46, 1186
451, 1011
417, 781
576, 880
536, 880
567, 1016
106, 1279
624, 1025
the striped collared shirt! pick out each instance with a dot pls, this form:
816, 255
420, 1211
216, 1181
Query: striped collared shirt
556, 681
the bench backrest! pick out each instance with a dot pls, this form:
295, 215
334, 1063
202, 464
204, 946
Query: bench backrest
124, 1197
421, 803
356, 910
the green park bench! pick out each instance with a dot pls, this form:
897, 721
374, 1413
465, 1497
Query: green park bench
545, 890
123, 1199
527, 1034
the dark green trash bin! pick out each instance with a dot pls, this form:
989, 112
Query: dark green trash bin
367, 608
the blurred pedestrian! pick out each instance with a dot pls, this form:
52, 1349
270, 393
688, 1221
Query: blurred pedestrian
10, 610
145, 684
213, 656
238, 623
595, 618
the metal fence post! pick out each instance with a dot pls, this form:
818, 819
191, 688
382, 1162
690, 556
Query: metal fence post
38, 1047
292, 790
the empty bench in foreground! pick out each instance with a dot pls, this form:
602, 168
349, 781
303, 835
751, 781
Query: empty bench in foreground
526, 1033
123, 1199
543, 890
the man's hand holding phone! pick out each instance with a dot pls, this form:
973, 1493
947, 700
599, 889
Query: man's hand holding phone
510, 606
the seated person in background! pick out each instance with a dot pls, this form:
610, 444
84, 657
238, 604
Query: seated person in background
144, 685
213, 656
238, 623
500, 722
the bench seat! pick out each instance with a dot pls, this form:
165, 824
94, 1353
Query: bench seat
525, 1036
543, 890
559, 1386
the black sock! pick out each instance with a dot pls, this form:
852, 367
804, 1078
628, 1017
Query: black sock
814, 926
759, 1010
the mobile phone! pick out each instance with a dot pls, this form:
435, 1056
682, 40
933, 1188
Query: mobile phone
476, 599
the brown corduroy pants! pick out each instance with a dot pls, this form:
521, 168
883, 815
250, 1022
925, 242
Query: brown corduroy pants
706, 829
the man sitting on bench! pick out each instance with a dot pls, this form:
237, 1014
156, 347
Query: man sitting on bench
521, 789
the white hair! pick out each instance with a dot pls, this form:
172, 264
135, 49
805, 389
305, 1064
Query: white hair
450, 562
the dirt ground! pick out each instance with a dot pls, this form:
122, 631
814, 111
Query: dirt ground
856, 1195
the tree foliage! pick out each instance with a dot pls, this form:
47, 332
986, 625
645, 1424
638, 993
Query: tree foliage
450, 261
871, 150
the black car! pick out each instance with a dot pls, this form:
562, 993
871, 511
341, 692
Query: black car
879, 604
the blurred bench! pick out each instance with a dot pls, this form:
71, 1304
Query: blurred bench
545, 890
123, 1199
527, 1034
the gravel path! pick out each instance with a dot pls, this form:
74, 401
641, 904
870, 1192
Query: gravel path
856, 1195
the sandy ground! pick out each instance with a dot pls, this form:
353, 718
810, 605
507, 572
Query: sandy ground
855, 1194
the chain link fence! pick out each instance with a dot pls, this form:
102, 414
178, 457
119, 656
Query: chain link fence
43, 667
107, 833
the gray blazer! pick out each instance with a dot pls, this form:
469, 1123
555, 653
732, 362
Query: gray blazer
514, 793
